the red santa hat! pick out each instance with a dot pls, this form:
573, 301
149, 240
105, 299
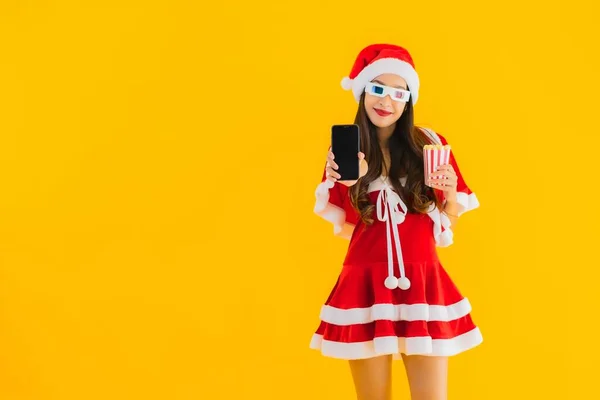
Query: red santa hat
378, 59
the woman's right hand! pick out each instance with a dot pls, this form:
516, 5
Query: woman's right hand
332, 167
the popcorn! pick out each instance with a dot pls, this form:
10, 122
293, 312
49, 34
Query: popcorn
435, 155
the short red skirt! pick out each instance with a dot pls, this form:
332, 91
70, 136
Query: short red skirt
362, 318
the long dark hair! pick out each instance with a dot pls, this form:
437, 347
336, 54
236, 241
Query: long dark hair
406, 154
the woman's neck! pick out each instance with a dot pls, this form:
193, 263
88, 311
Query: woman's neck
384, 135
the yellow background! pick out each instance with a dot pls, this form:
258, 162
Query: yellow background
158, 164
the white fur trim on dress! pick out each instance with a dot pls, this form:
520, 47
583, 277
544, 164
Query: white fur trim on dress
395, 312
382, 183
443, 237
435, 138
330, 212
424, 345
466, 202
384, 66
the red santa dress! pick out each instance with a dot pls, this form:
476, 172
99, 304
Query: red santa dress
393, 295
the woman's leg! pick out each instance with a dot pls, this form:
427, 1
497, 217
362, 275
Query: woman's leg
372, 378
427, 377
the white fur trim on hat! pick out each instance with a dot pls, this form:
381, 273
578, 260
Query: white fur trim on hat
384, 66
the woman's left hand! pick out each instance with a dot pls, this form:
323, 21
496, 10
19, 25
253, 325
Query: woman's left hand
446, 181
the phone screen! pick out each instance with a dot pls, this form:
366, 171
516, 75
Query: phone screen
345, 145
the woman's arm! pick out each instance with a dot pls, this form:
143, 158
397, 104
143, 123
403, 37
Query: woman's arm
451, 210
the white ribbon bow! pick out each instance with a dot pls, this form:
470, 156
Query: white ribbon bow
391, 207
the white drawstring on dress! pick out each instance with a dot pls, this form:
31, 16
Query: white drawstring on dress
392, 210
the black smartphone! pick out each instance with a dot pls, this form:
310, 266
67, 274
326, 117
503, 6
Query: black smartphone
345, 145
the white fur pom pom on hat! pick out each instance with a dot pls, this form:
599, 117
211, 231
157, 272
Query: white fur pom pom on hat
347, 83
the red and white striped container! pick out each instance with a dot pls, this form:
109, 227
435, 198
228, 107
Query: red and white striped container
435, 155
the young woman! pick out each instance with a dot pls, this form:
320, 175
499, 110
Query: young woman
393, 298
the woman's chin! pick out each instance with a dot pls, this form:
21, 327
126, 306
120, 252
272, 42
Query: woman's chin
382, 122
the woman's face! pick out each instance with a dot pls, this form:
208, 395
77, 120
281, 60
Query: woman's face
383, 111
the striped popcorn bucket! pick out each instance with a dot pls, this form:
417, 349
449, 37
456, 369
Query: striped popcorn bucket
434, 155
